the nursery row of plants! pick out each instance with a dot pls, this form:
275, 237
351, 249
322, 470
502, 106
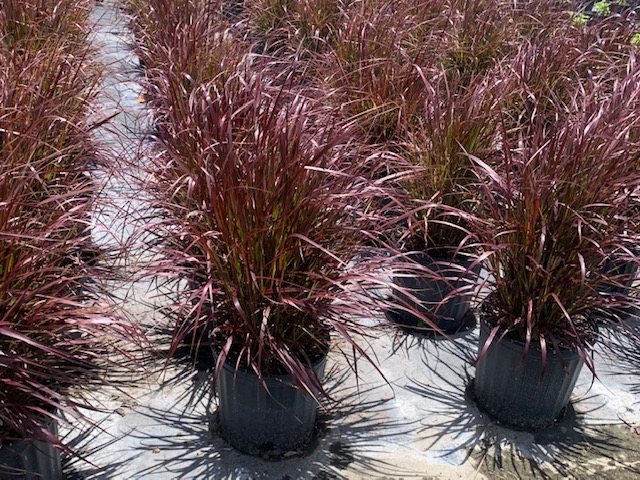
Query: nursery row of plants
57, 332
316, 163
313, 155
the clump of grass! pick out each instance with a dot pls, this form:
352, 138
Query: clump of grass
57, 327
44, 100
558, 206
56, 324
371, 69
260, 220
456, 123
33, 24
269, 16
544, 76
315, 23
184, 44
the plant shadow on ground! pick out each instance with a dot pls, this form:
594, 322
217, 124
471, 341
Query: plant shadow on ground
457, 430
181, 438
620, 349
79, 467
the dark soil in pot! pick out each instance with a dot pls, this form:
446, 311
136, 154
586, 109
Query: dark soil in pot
267, 420
451, 315
30, 459
517, 391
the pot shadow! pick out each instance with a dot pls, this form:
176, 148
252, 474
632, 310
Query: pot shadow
458, 431
432, 346
182, 439
192, 366
191, 362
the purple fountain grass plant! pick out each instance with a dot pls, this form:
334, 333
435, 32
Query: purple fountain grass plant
436, 193
303, 28
314, 25
481, 36
32, 24
269, 16
471, 37
459, 118
544, 75
186, 38
561, 201
55, 323
606, 44
261, 220
540, 20
371, 69
184, 45
44, 99
58, 327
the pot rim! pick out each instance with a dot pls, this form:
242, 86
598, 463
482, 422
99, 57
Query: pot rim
246, 372
519, 346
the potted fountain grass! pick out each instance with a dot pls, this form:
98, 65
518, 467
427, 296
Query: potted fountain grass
52, 326
55, 328
554, 212
258, 197
55, 325
437, 282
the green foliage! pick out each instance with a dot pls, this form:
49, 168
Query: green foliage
579, 19
602, 8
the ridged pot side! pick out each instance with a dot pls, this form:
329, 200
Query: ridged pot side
30, 459
448, 316
269, 421
519, 394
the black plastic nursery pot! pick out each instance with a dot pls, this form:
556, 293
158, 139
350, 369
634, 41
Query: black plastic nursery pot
267, 422
515, 391
449, 316
30, 459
